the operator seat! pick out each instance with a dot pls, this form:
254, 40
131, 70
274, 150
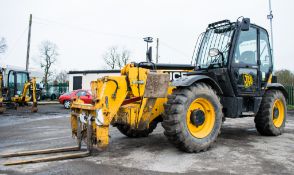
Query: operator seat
248, 57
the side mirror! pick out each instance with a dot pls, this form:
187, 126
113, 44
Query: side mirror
245, 24
213, 52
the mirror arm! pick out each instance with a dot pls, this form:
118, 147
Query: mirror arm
223, 58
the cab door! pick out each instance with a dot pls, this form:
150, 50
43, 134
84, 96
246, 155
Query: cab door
245, 69
266, 66
11, 84
21, 79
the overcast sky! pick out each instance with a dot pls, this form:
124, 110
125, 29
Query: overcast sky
84, 29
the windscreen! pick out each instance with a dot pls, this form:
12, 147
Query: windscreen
22, 78
218, 38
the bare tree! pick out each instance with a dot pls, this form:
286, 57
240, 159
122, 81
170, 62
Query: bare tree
111, 57
3, 45
62, 77
123, 58
116, 58
48, 53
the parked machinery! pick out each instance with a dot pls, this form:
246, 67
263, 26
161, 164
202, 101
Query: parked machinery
232, 77
18, 90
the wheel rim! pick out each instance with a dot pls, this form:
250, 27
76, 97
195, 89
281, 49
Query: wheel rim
278, 113
200, 118
67, 104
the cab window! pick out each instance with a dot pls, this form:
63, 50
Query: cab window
246, 49
265, 56
21, 79
11, 80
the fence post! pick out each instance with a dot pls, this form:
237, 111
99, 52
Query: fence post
290, 91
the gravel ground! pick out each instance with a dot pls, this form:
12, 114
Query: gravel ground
238, 150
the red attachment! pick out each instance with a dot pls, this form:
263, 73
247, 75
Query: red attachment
131, 100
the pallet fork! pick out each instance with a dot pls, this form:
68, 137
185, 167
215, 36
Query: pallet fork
76, 152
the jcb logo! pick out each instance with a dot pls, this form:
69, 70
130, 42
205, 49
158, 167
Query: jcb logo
248, 80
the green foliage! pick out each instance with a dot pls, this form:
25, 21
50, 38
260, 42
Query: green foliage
290, 107
285, 77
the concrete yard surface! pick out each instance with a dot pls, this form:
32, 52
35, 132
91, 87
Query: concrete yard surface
239, 149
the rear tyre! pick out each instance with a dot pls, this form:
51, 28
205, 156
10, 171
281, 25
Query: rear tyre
193, 117
135, 133
271, 117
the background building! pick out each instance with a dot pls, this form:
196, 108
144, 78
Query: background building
33, 72
82, 79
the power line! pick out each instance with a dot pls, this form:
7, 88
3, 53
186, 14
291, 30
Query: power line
16, 42
174, 49
44, 21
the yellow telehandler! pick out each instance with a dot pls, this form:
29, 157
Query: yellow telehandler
232, 78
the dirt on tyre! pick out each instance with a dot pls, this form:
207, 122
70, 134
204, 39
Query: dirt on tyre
135, 133
271, 117
193, 117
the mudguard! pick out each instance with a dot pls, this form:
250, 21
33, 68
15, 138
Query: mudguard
189, 80
278, 86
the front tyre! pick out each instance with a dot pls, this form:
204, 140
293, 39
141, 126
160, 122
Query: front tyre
271, 117
193, 117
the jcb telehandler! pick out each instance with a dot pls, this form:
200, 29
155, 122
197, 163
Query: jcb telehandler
232, 77
17, 90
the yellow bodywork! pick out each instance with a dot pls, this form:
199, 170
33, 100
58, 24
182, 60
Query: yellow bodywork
24, 98
135, 98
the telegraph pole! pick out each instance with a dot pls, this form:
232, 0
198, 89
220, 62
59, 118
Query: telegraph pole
270, 17
29, 42
157, 45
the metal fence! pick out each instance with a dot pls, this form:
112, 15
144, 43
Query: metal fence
290, 90
53, 91
60, 87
